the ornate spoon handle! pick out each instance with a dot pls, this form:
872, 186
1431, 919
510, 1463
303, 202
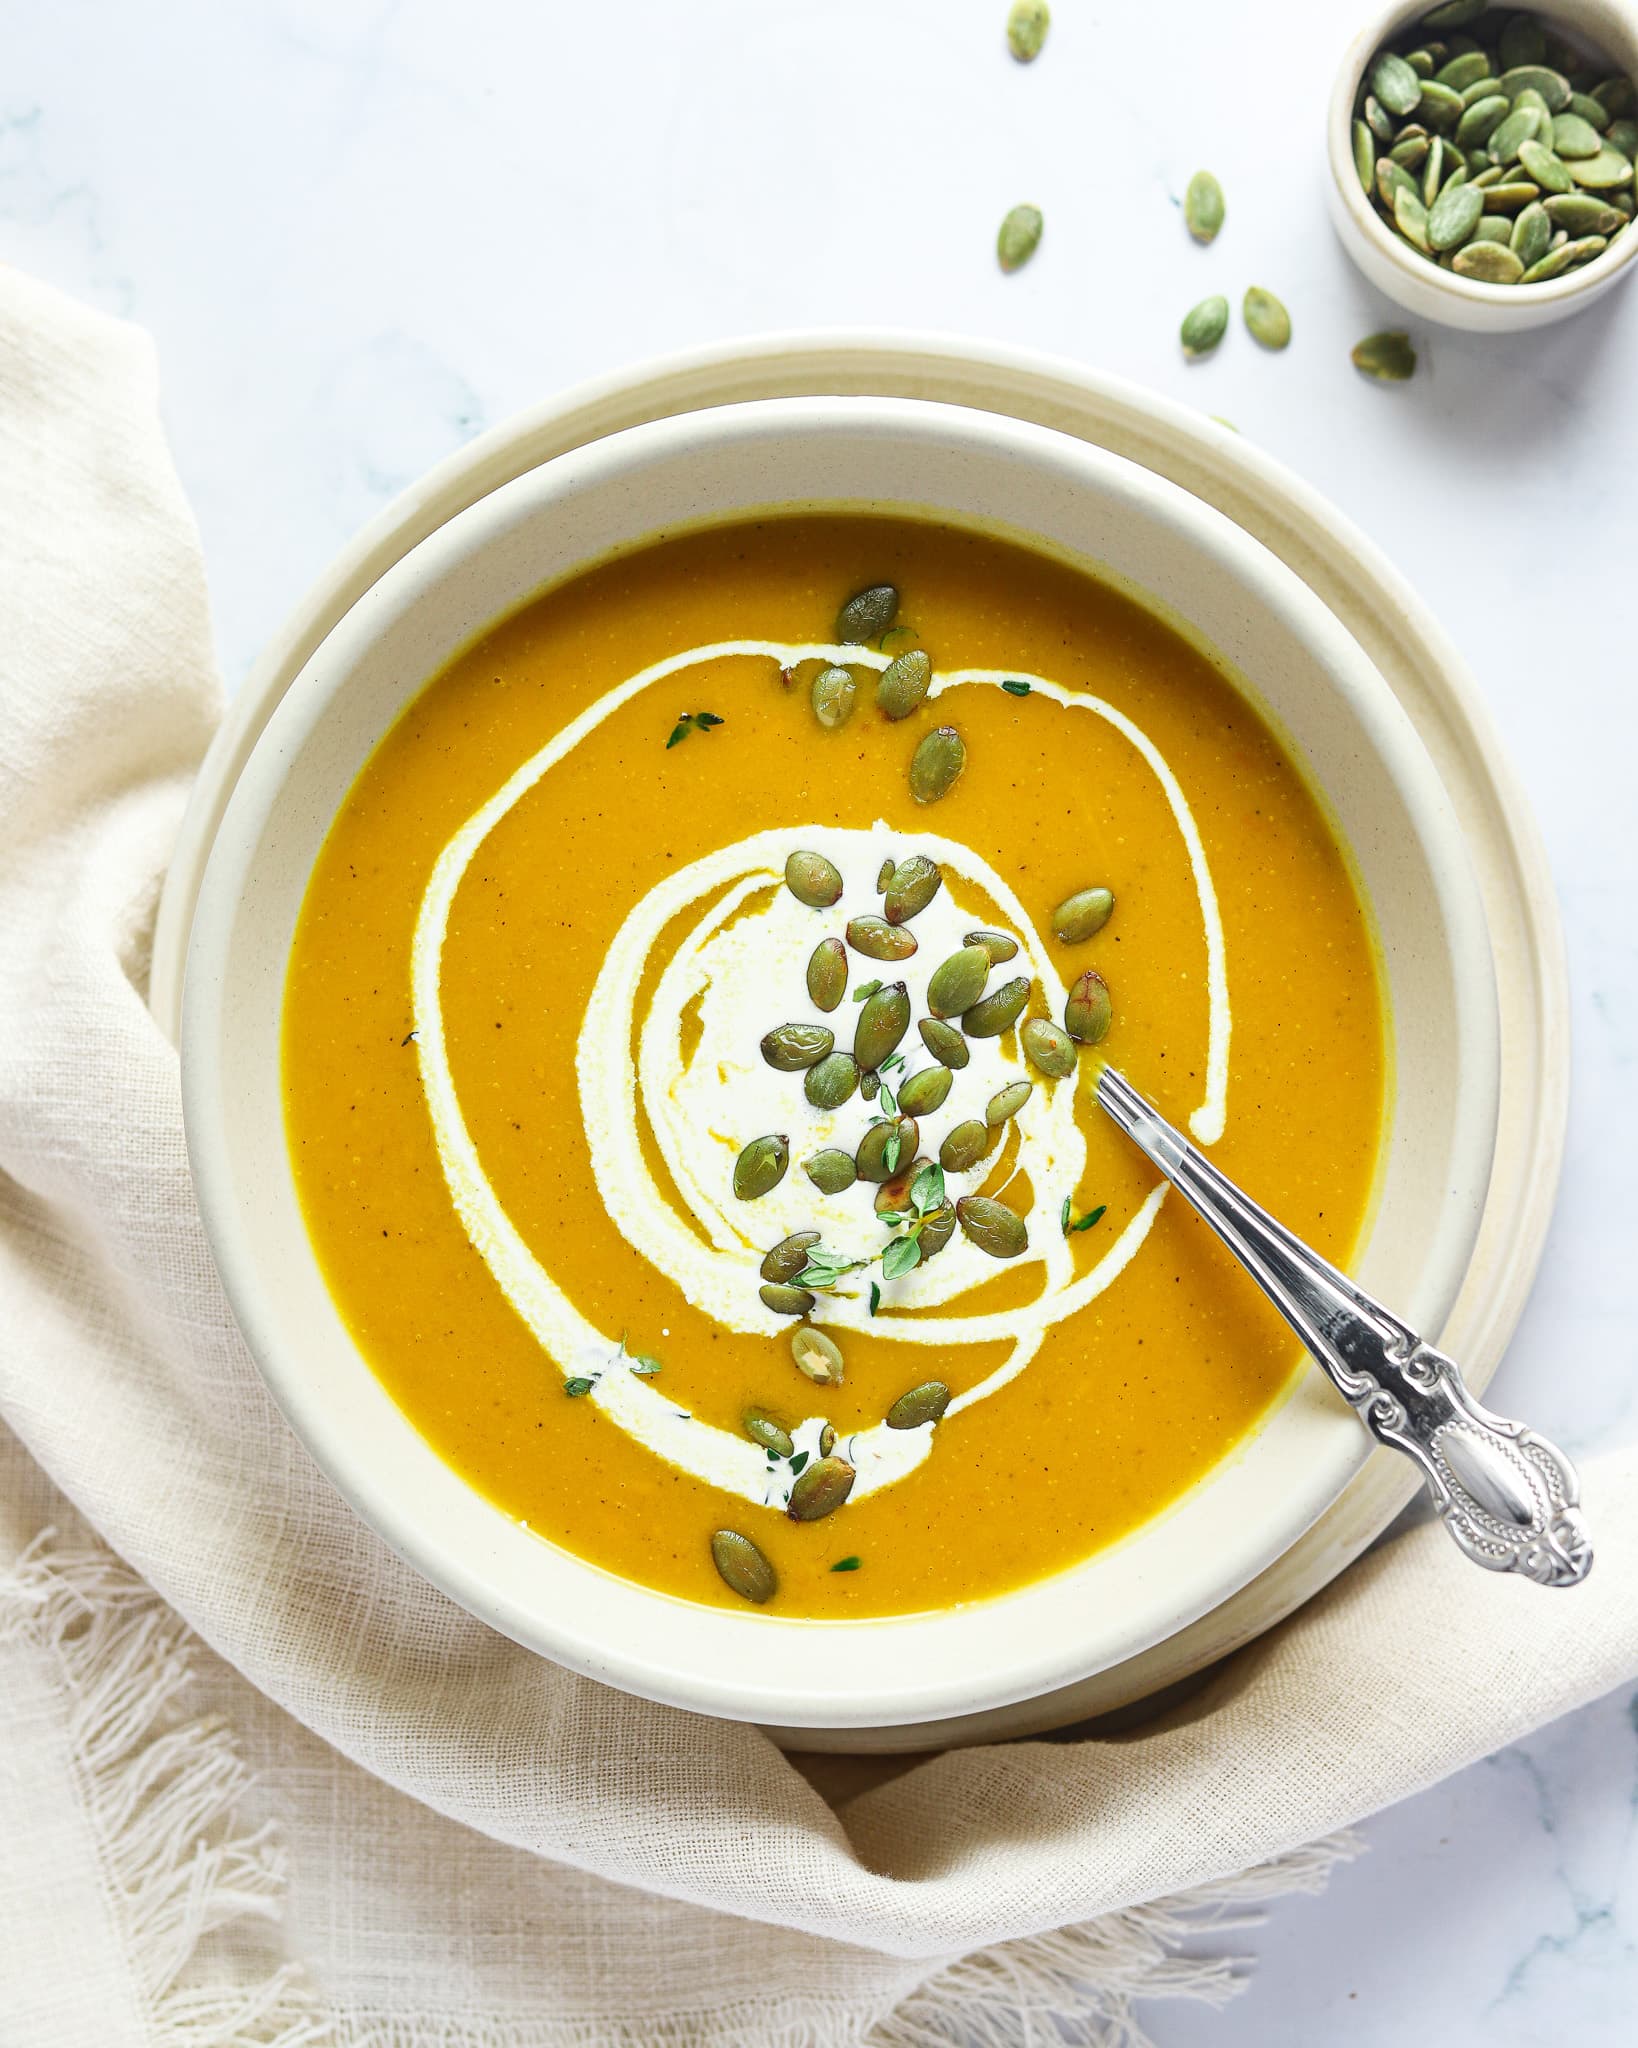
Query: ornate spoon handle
1510, 1498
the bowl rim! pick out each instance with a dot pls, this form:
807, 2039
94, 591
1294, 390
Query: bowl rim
253, 802
1364, 220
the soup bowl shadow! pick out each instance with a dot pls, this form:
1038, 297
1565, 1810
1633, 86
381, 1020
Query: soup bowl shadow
1307, 676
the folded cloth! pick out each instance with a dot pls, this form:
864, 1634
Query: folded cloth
260, 1783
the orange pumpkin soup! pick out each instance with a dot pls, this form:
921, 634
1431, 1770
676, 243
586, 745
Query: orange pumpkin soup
689, 1044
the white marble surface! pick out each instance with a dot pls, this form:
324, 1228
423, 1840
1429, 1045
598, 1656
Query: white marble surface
361, 230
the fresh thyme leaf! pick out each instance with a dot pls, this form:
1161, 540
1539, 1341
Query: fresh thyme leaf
797, 1462
1063, 1217
644, 1365
679, 731
890, 1151
892, 1218
706, 719
408, 1038
927, 1189
894, 1059
900, 1256
574, 1388
846, 1564
1016, 689
875, 1297
692, 721
1086, 1222
890, 1107
865, 991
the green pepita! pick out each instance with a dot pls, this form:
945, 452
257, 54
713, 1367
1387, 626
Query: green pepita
1018, 237
1573, 136
1087, 1009
1531, 234
833, 694
787, 1258
742, 1567
997, 1012
1488, 263
893, 1196
832, 1081
921, 1405
1454, 216
1006, 1102
883, 1021
1049, 1051
938, 760
760, 1167
1082, 915
1581, 214
1552, 85
1439, 107
1203, 207
787, 1301
1509, 197
1545, 168
1000, 946
884, 875
1461, 72
791, 1048
884, 1148
867, 615
1388, 356
965, 1146
1481, 119
944, 1042
827, 1440
924, 1092
992, 1226
1602, 173
763, 1429
818, 1357
937, 1229
914, 884
1267, 321
876, 939
1395, 84
813, 880
1205, 325
832, 1172
820, 1489
958, 982
1411, 217
827, 974
1364, 164
1027, 27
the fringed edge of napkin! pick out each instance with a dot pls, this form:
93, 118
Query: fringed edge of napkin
159, 1793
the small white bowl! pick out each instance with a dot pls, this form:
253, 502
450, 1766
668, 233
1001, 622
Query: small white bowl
932, 460
1407, 276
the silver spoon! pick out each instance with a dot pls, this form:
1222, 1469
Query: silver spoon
1510, 1498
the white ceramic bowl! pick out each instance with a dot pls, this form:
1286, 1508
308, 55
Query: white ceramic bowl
1310, 676
1407, 276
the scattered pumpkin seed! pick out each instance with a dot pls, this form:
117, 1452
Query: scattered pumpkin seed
937, 1229
925, 1092
1082, 915
938, 760
760, 1167
827, 974
833, 693
791, 1048
922, 1404
1000, 946
1205, 325
832, 1082
1019, 237
884, 875
885, 1146
820, 1489
879, 940
1027, 27
1087, 1009
883, 1021
957, 983
914, 884
762, 1429
1267, 321
1006, 1102
1049, 1051
997, 1012
1203, 207
867, 615
818, 1357
742, 1567
813, 880
787, 1301
992, 1226
827, 1443
1388, 356
787, 1258
944, 1042
892, 1199
832, 1172
965, 1146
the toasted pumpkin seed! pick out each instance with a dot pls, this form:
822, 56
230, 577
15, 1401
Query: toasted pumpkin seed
820, 1489
791, 1048
893, 1196
832, 1172
787, 1258
870, 1084
922, 1404
883, 1021
1267, 321
903, 683
787, 1301
879, 940
832, 1082
742, 1567
867, 615
818, 1357
761, 1166
827, 974
938, 760
762, 1429
1205, 325
1027, 26
997, 1012
813, 880
1087, 1010
884, 1148
1488, 262
1048, 1050
827, 1440
1082, 915
937, 1229
1006, 1102
1000, 946
992, 1226
1203, 207
965, 1146
833, 694
1388, 357
958, 982
944, 1042
1454, 216
914, 884
925, 1092
884, 875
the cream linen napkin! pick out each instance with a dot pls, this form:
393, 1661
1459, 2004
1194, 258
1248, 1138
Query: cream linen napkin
259, 1783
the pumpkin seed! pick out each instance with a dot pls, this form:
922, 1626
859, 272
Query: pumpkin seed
884, 875
1087, 1009
925, 1092
1267, 321
944, 1042
1552, 85
1082, 915
872, 1158
1411, 217
958, 982
883, 1021
1581, 214
867, 615
998, 1011
818, 1357
787, 1301
760, 1167
1586, 248
937, 1229
827, 974
1048, 1050
1388, 357
1364, 164
762, 1429
1522, 125
1006, 1102
1462, 71
922, 1404
1395, 84
1508, 198
1489, 263
903, 683
1439, 107
832, 1172
1000, 946
742, 1567
992, 1226
787, 1258
1549, 173
1378, 120
879, 940
893, 1196
1454, 216
1433, 172
915, 883
1391, 180
1494, 227
832, 1082
1481, 120
827, 1441
1596, 117
1018, 237
820, 1489
1027, 27
1531, 234
1481, 89
1573, 136
791, 1048
938, 760
1203, 207
834, 690
965, 1146
1603, 172
813, 880
1204, 325
1410, 153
